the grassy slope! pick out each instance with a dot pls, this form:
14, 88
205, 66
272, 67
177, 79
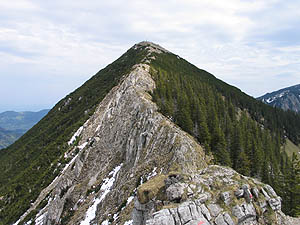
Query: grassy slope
291, 148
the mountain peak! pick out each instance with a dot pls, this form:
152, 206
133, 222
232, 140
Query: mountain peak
151, 47
285, 98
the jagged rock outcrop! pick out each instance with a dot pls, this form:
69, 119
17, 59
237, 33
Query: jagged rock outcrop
129, 164
255, 203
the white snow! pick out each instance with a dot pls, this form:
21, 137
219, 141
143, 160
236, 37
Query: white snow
129, 200
77, 133
29, 222
269, 100
18, 221
39, 220
105, 222
129, 222
106, 186
83, 145
152, 174
115, 216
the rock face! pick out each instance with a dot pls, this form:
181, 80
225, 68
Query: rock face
287, 98
222, 207
132, 165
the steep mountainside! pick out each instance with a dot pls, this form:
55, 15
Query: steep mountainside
125, 149
14, 124
286, 98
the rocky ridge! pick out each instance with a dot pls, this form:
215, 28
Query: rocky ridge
128, 164
286, 99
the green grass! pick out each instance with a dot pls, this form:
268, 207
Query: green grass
291, 148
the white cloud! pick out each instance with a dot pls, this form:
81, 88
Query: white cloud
17, 5
239, 41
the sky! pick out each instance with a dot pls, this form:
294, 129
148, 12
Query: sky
50, 48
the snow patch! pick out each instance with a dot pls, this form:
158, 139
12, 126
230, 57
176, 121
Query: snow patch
105, 188
29, 222
129, 222
152, 174
105, 222
77, 133
83, 145
129, 200
269, 100
39, 220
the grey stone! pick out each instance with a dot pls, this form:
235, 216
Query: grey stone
203, 198
190, 191
225, 196
275, 203
243, 212
265, 193
255, 192
263, 205
270, 191
228, 219
238, 212
249, 209
175, 215
239, 193
245, 186
195, 211
205, 212
162, 217
201, 221
173, 179
220, 220
184, 214
175, 191
214, 209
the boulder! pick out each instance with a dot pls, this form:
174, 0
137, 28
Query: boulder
255, 192
228, 219
239, 193
205, 212
275, 203
226, 197
175, 191
214, 209
220, 220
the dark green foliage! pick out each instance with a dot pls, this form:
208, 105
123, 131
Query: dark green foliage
238, 130
28, 165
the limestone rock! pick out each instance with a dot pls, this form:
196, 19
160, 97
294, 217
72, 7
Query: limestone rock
225, 196
214, 209
175, 191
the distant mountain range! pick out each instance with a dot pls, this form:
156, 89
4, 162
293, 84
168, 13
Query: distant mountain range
286, 98
14, 124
